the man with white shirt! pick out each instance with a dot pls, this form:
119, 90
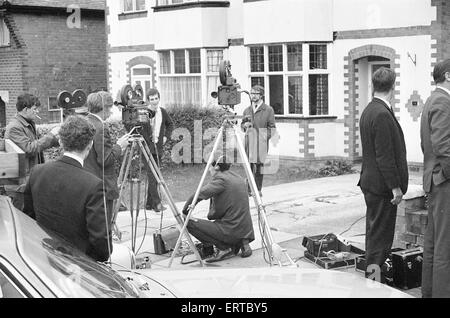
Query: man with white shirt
68, 200
156, 133
435, 136
384, 172
259, 125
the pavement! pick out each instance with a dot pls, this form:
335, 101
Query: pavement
293, 210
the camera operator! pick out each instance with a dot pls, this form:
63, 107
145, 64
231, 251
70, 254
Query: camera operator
66, 199
156, 134
22, 131
258, 122
231, 228
102, 157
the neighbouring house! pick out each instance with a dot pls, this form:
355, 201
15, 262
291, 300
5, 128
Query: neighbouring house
47, 46
315, 59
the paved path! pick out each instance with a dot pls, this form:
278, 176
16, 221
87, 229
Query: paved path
294, 210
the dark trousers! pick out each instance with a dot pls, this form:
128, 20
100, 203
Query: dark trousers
380, 228
256, 169
436, 253
209, 233
153, 197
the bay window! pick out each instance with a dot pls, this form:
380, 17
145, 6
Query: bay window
188, 76
294, 75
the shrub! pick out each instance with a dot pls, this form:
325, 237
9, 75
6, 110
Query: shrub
335, 168
184, 117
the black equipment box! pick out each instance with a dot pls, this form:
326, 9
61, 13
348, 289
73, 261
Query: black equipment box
318, 246
361, 260
165, 241
407, 268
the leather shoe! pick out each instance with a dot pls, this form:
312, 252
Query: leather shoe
246, 250
220, 255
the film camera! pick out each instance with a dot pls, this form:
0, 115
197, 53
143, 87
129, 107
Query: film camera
134, 107
67, 100
228, 93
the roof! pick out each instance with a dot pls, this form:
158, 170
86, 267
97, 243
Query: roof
83, 4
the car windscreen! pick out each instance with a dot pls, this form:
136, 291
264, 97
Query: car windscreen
64, 268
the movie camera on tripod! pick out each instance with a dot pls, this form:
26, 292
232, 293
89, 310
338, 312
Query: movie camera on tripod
134, 108
228, 94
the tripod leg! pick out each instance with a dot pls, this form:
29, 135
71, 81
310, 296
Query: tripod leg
157, 174
273, 249
128, 157
197, 192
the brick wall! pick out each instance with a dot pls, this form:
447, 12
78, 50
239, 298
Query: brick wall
412, 218
11, 61
57, 57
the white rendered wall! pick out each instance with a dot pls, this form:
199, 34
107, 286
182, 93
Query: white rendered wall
287, 21
376, 14
412, 77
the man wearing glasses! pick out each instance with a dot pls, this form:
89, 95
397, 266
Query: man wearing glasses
259, 124
22, 131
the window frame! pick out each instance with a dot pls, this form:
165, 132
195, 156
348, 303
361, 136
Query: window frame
142, 78
54, 110
134, 5
6, 36
304, 74
204, 74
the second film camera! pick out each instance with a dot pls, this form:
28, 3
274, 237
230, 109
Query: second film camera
228, 93
134, 108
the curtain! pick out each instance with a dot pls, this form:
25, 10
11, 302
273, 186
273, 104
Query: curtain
183, 90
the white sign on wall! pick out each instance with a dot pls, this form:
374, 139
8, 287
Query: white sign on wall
5, 96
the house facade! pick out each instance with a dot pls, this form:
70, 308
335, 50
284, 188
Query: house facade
47, 46
315, 59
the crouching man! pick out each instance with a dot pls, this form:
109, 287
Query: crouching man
229, 226
64, 198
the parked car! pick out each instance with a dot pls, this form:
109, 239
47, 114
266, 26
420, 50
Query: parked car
37, 263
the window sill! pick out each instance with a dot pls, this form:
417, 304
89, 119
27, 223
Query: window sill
301, 117
132, 15
188, 5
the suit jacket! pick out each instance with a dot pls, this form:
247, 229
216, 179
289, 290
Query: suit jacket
23, 134
165, 130
435, 139
229, 207
102, 157
384, 165
65, 198
257, 139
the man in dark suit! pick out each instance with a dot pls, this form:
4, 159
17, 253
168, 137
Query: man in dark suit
259, 124
435, 142
229, 226
156, 134
68, 200
384, 173
104, 154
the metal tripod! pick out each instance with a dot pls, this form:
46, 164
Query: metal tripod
274, 251
138, 145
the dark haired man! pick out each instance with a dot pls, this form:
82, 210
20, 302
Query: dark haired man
156, 134
22, 131
229, 226
103, 155
384, 173
259, 123
435, 136
66, 199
